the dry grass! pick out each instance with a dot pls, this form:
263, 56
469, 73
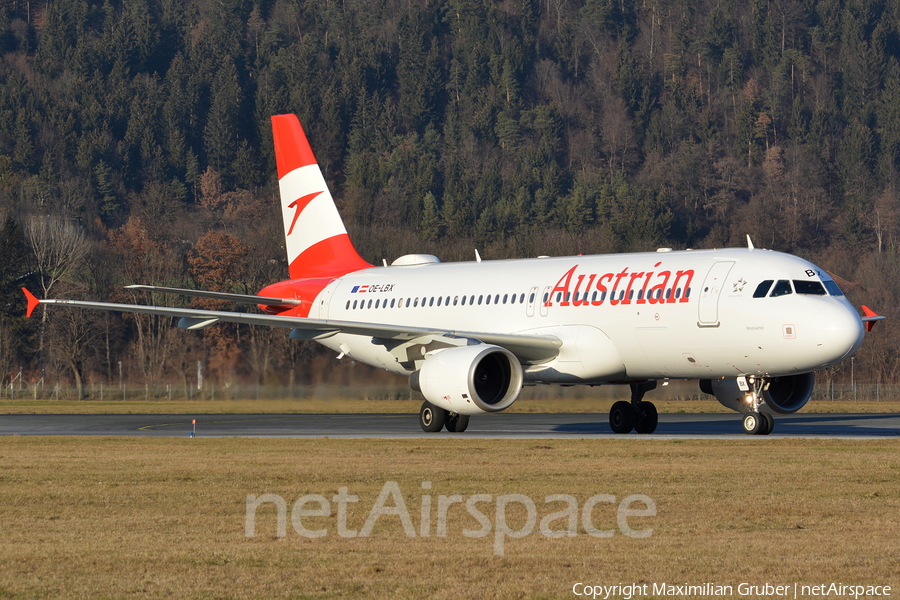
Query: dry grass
132, 517
354, 405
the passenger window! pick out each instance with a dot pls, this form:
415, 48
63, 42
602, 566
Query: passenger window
488, 299
782, 288
522, 298
377, 302
407, 303
415, 302
392, 302
480, 298
439, 300
762, 289
430, 302
472, 299
369, 305
354, 304
348, 305
813, 288
497, 299
531, 297
455, 300
832, 288
505, 298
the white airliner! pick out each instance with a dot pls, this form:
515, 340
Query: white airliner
752, 325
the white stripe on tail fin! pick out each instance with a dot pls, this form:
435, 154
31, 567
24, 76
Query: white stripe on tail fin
316, 239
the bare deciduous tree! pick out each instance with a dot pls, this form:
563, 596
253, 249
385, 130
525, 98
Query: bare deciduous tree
59, 246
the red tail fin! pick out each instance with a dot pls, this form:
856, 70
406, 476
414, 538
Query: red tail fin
316, 239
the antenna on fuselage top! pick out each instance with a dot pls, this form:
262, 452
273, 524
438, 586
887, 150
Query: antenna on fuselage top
477, 256
749, 243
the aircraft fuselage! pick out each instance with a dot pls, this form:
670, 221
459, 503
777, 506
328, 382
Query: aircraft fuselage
688, 314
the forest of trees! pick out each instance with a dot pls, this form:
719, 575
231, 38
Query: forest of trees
135, 147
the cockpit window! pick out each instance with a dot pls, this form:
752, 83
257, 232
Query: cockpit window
762, 289
832, 288
813, 288
782, 288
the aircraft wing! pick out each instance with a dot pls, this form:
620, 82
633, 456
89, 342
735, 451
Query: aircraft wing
527, 348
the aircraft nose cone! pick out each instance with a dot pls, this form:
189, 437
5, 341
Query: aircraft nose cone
839, 332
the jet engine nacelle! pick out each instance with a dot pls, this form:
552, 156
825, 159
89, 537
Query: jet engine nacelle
470, 380
783, 395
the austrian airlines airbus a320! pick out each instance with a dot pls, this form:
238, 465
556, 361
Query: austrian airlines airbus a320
752, 325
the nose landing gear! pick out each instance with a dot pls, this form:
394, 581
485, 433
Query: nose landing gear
756, 422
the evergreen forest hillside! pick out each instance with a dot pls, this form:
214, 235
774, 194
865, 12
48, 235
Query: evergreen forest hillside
135, 147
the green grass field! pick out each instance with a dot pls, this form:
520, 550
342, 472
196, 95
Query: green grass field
166, 518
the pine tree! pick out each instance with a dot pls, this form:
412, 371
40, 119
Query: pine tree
16, 332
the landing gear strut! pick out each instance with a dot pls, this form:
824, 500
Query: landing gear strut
757, 422
637, 414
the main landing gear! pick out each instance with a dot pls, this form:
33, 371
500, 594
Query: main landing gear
757, 422
637, 414
434, 418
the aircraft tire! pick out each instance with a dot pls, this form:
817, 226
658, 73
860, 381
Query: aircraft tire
621, 417
456, 423
647, 418
752, 423
767, 425
431, 417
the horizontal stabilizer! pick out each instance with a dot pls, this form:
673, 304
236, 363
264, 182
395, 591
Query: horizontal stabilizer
241, 298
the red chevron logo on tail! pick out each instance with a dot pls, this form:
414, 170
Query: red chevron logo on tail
298, 205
